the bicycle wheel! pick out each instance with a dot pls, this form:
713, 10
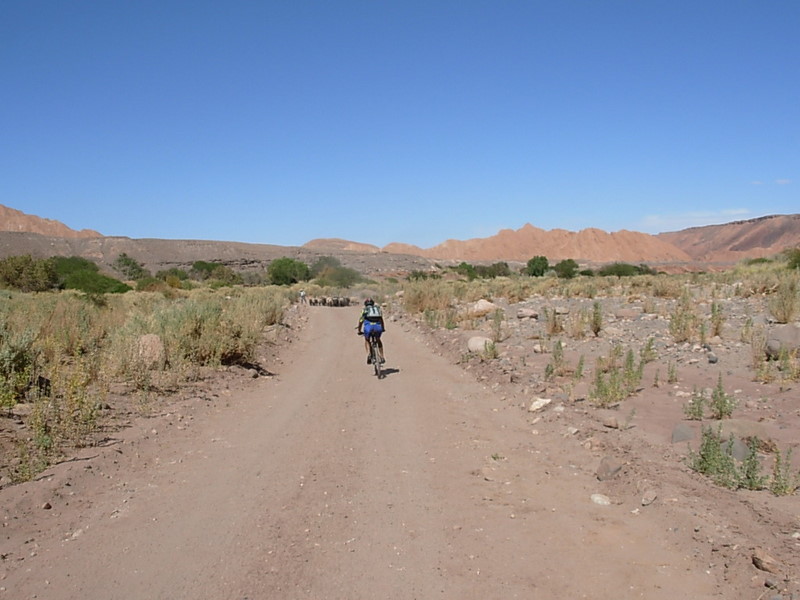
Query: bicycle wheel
376, 357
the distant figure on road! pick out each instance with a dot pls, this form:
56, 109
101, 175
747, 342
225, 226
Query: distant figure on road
371, 323
302, 296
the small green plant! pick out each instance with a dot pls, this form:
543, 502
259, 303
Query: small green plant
579, 368
715, 459
721, 404
554, 324
683, 324
717, 319
490, 351
783, 481
750, 476
648, 352
672, 373
596, 323
497, 325
695, 408
783, 304
498, 456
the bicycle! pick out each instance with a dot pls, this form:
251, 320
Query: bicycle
375, 355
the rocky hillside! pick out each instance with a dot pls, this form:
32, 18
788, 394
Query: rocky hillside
695, 248
588, 245
18, 221
731, 242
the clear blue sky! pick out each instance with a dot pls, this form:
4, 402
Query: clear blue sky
408, 120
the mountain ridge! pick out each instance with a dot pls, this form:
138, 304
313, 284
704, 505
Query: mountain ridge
692, 248
12, 219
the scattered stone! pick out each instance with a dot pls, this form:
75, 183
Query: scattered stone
628, 314
765, 562
47, 506
783, 338
682, 433
649, 497
527, 313
608, 469
611, 422
478, 344
712, 358
601, 500
482, 308
539, 404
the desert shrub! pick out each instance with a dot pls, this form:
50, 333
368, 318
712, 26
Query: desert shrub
466, 270
695, 408
129, 267
784, 481
721, 403
684, 324
173, 273
201, 269
223, 275
792, 256
286, 271
341, 277
419, 297
784, 303
717, 319
665, 286
537, 266
714, 459
28, 274
620, 269
614, 382
596, 322
566, 269
92, 282
18, 359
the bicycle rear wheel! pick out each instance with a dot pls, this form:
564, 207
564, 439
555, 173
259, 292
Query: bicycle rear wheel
376, 357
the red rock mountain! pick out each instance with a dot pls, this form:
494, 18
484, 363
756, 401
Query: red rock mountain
591, 245
731, 242
15, 220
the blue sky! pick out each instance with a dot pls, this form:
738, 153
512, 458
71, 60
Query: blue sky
417, 121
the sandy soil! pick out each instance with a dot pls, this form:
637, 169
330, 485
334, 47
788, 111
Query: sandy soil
436, 482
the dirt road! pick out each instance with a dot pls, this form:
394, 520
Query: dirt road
324, 482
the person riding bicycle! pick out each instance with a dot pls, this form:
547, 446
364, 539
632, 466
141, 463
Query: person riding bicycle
371, 323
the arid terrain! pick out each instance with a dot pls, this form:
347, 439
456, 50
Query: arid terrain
450, 478
487, 464
714, 247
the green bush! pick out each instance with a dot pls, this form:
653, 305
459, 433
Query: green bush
286, 271
129, 267
537, 266
566, 269
28, 274
620, 269
18, 359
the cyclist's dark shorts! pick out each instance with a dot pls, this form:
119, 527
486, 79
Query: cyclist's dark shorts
371, 328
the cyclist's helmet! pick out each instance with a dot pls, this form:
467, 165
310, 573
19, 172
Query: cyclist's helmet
369, 302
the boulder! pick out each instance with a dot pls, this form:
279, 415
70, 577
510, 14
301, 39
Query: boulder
482, 307
478, 344
151, 352
783, 338
527, 313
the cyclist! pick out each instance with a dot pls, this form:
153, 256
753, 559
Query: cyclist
371, 322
